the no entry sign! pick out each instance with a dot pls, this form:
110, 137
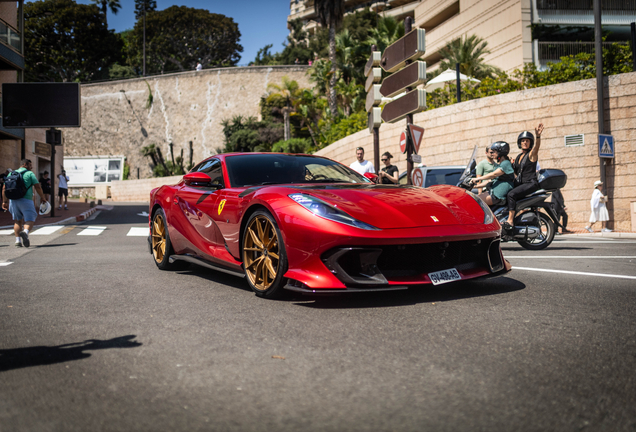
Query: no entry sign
403, 142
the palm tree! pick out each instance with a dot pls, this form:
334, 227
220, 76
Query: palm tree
386, 32
468, 52
330, 13
104, 5
289, 92
310, 108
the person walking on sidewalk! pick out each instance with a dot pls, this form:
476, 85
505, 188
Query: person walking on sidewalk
22, 209
599, 209
62, 189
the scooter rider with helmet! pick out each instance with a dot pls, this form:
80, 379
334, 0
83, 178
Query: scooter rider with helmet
525, 166
503, 174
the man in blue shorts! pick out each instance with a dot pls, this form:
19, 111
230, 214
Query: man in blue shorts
23, 210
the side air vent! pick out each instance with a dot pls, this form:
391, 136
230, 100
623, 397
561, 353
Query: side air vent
574, 140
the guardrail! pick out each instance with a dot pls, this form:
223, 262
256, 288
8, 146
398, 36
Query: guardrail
10, 37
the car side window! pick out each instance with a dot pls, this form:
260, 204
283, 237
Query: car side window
213, 168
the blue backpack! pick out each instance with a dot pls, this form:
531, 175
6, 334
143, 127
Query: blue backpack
14, 186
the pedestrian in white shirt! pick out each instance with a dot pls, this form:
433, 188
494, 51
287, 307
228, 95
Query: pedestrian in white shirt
360, 165
62, 189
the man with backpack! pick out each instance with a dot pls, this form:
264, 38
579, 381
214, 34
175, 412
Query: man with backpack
17, 197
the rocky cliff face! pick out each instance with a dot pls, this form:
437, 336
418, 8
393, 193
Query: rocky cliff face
121, 117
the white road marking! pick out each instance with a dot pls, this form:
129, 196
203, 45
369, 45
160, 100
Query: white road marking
138, 232
3, 264
92, 231
575, 273
591, 242
570, 257
46, 230
6, 231
144, 214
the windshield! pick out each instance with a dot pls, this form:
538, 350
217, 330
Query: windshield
264, 169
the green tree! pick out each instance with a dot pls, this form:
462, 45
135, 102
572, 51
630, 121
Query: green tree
468, 52
289, 93
178, 37
143, 7
330, 13
66, 42
388, 30
104, 5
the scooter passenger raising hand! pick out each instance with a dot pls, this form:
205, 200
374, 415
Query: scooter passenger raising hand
525, 166
503, 176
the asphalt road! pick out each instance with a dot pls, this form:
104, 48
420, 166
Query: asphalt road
94, 337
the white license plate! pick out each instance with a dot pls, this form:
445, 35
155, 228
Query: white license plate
444, 276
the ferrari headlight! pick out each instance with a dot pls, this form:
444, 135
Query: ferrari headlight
327, 211
488, 216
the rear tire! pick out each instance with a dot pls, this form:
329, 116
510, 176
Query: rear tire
545, 238
264, 256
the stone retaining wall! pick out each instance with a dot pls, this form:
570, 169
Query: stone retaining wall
118, 119
138, 190
565, 109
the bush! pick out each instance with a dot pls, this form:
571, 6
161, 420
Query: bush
294, 145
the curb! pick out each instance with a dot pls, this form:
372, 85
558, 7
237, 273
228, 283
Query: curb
83, 216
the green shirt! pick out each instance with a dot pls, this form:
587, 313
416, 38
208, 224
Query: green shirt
484, 167
504, 183
29, 180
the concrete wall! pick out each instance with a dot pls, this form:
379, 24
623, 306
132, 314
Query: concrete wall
187, 106
138, 190
565, 109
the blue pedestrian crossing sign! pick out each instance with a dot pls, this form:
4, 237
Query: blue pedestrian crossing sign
606, 146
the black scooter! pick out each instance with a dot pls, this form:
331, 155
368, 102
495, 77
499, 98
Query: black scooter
535, 221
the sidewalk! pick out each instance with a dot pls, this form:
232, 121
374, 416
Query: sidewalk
75, 208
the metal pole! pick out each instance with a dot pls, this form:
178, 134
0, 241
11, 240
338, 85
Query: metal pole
459, 88
408, 23
633, 27
599, 77
51, 141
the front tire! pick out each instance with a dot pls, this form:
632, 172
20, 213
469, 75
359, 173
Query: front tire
545, 238
264, 256
161, 245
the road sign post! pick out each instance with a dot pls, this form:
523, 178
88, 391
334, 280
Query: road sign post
374, 98
397, 55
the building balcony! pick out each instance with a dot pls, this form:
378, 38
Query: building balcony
11, 57
551, 52
581, 12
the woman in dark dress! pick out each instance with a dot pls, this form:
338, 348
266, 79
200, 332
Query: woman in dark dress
389, 174
45, 181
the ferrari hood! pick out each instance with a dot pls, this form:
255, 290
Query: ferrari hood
389, 207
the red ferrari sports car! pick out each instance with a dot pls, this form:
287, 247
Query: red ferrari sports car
309, 224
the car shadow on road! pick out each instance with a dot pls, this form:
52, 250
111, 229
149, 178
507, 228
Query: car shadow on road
215, 276
17, 358
415, 295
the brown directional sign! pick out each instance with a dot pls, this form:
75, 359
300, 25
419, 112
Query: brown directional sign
412, 102
374, 119
374, 97
374, 60
409, 47
411, 76
374, 77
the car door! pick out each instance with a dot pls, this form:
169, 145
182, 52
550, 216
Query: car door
197, 204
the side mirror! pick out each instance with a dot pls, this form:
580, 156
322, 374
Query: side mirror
371, 176
199, 179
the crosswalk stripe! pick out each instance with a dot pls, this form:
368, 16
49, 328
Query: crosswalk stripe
2, 264
47, 230
138, 232
92, 231
6, 231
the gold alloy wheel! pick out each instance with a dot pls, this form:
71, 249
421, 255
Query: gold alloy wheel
261, 252
158, 238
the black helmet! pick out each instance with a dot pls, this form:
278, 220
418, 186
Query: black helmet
501, 147
524, 135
